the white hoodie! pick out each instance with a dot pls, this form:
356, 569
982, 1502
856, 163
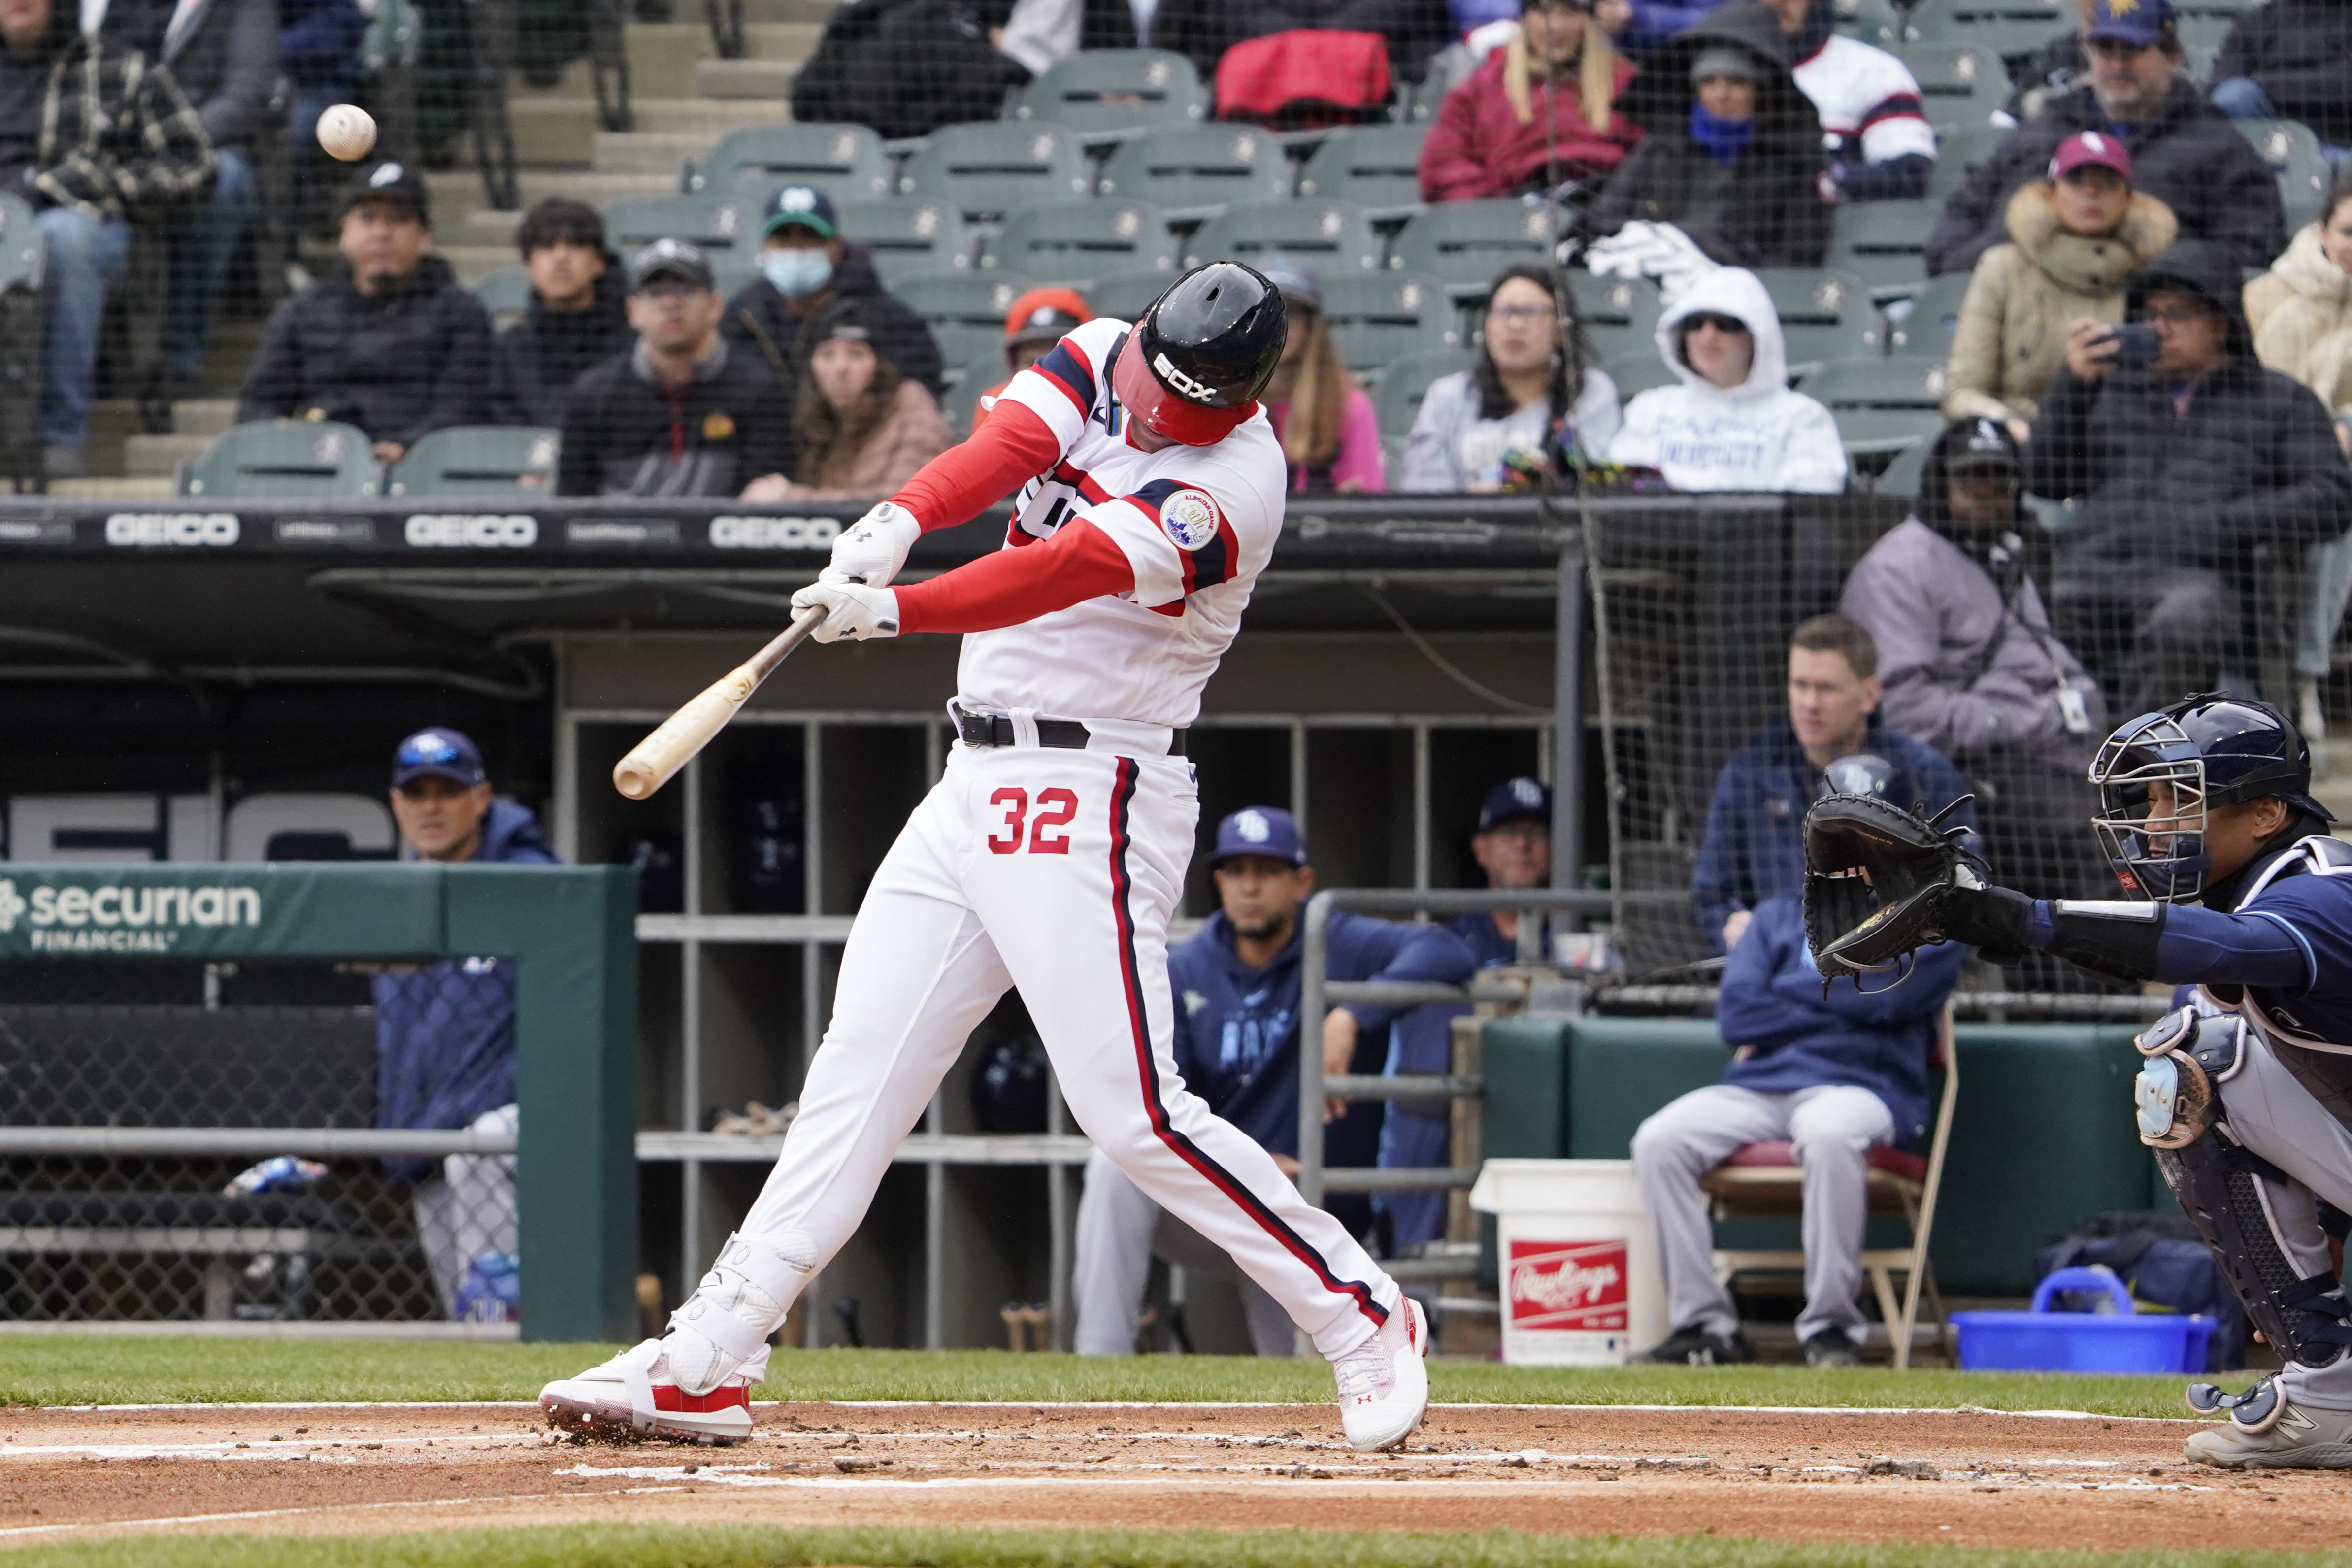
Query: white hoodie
1760, 436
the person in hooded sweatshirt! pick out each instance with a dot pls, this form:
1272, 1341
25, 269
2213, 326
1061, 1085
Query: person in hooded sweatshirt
445, 1031
1236, 986
1731, 154
1733, 423
2182, 465
579, 314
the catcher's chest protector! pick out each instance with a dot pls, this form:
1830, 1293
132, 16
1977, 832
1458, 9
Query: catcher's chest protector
2311, 1033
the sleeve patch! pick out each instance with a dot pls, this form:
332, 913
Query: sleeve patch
1190, 519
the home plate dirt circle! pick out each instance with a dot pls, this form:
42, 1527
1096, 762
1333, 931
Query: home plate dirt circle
1969, 1477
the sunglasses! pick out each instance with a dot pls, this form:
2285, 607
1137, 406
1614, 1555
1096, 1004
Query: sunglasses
1716, 319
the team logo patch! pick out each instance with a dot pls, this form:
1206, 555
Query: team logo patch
1190, 518
717, 426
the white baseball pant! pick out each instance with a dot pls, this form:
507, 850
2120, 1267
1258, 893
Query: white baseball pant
1054, 871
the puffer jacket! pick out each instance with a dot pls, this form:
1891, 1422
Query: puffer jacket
2023, 296
1481, 148
1758, 436
2301, 315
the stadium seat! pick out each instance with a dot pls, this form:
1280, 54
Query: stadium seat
1075, 242
1100, 91
516, 461
1371, 166
1926, 330
505, 294
1464, 244
1874, 22
300, 459
1402, 387
719, 225
1902, 476
908, 234
1881, 406
1961, 83
1125, 294
965, 312
2009, 29
2292, 151
846, 161
1824, 315
1616, 315
1960, 148
1882, 243
1193, 171
989, 167
21, 314
960, 405
2201, 38
1638, 370
1330, 236
1383, 317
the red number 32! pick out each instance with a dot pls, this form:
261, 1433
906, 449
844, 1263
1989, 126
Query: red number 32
1056, 807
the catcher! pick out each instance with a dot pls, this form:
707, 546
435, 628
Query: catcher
2245, 1094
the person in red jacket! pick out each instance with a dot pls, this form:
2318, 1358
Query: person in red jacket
1541, 111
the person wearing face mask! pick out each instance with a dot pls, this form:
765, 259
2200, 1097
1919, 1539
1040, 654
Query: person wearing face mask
1529, 404
860, 428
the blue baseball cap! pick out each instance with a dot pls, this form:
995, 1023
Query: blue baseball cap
803, 205
437, 754
2139, 23
1265, 830
1516, 799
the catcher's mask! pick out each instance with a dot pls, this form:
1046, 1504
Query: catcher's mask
2160, 773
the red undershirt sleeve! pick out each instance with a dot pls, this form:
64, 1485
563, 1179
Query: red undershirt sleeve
1079, 562
1011, 446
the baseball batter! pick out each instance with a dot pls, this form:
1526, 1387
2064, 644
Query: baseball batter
1052, 853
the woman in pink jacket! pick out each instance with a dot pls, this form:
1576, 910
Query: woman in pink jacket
1539, 112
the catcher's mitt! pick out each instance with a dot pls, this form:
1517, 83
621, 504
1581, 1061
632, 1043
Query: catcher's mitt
1873, 876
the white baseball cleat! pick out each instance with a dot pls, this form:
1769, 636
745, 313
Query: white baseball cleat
637, 1395
1383, 1384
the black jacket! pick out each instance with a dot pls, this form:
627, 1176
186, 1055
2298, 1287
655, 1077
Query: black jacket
2057, 68
534, 363
757, 320
1766, 209
225, 59
625, 435
2253, 461
2299, 52
2187, 155
399, 366
906, 66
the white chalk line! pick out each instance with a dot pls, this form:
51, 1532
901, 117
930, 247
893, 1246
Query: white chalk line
419, 1406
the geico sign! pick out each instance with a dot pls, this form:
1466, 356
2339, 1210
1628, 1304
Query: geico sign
773, 532
464, 531
151, 529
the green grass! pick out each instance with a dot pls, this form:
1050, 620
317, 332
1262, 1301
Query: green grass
104, 1370
656, 1546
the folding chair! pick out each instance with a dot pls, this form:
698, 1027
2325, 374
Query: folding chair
1824, 315
515, 461
1464, 244
1884, 244
505, 294
302, 459
1764, 1180
1382, 318
908, 234
2292, 150
718, 225
847, 161
1331, 236
965, 312
1194, 171
1375, 167
991, 167
1074, 242
1112, 93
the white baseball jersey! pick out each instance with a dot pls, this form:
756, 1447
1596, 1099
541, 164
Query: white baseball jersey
1197, 523
1868, 102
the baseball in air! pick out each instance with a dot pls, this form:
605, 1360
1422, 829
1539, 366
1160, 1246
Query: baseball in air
347, 131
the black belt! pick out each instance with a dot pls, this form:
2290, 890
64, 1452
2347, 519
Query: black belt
1068, 734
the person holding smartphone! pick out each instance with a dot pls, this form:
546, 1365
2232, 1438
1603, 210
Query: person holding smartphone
2183, 457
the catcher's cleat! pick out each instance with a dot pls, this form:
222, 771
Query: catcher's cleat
1383, 1385
2265, 1431
637, 1394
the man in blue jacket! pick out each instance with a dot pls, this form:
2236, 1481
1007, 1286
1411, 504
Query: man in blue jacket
1237, 990
445, 1031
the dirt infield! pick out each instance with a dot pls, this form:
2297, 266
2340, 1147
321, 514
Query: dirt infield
1958, 1476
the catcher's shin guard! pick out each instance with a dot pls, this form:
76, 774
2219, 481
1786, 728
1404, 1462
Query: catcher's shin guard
2221, 1189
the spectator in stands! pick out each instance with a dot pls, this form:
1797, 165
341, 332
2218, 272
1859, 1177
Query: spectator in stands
1513, 848
1329, 435
859, 427
1528, 406
684, 412
445, 1030
1970, 665
1038, 33
579, 314
1731, 156
389, 342
2184, 152
1540, 112
1039, 319
1836, 1072
1750, 849
319, 48
908, 66
1415, 29
92, 138
2056, 68
2073, 240
1873, 121
1733, 423
2179, 467
1238, 988
2287, 60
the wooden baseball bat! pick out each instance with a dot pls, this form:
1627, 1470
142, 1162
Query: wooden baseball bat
659, 755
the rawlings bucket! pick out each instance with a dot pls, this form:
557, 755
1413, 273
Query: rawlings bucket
1575, 1259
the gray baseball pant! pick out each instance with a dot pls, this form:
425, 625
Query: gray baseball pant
1120, 1231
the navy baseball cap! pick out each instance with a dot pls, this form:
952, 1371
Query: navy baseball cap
2139, 23
1267, 830
803, 205
437, 754
1516, 799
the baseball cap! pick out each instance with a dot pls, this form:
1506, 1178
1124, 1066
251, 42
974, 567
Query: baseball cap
803, 205
1516, 799
1985, 447
2136, 22
1045, 316
1293, 280
1267, 830
1724, 59
2090, 147
437, 754
390, 182
675, 259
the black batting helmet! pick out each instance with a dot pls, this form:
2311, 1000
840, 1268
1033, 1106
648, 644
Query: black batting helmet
1196, 361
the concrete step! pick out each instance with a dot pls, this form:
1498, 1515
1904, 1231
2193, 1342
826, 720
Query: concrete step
475, 262
646, 152
769, 80
709, 117
202, 416
113, 488
157, 457
460, 216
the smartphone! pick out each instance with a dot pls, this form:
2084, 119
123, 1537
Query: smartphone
2136, 346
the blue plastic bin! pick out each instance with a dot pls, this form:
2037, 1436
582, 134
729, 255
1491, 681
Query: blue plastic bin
2044, 1341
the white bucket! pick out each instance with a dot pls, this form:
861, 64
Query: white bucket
1577, 1260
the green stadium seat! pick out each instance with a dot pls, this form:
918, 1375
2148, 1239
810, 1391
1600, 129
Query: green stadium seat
1195, 170
908, 234
2201, 38
20, 245
300, 459
1073, 242
1874, 22
1961, 83
1960, 148
513, 461
1638, 370
1125, 294
1371, 166
505, 294
1881, 406
1384, 317
965, 312
2009, 29
846, 161
1096, 93
1464, 244
1331, 236
1405, 384
1902, 476
1882, 243
960, 405
1926, 330
991, 167
2292, 151
1616, 315
720, 225
1824, 315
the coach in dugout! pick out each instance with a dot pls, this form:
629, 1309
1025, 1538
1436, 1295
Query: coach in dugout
445, 1031
1237, 986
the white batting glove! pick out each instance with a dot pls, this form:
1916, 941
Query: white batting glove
871, 549
853, 612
